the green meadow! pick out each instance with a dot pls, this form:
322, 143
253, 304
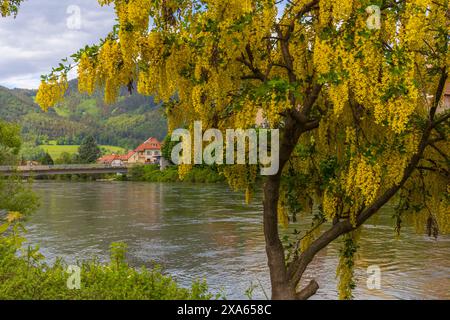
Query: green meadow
55, 151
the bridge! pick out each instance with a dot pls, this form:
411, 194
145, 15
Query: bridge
37, 171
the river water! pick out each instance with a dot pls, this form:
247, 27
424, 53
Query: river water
207, 232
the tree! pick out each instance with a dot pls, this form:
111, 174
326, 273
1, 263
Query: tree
166, 148
10, 143
15, 196
66, 158
88, 152
46, 159
355, 89
31, 152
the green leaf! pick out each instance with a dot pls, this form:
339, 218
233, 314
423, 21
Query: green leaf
4, 227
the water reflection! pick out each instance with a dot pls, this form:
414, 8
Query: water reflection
207, 232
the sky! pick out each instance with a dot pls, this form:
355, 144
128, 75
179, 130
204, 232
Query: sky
44, 32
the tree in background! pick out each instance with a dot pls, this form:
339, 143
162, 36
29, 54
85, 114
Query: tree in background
66, 158
166, 147
46, 159
89, 151
355, 89
35, 153
15, 196
10, 143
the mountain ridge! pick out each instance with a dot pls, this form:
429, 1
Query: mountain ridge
126, 123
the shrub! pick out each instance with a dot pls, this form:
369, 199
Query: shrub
151, 173
23, 275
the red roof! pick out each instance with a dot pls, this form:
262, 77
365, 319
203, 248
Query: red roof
109, 158
127, 156
150, 144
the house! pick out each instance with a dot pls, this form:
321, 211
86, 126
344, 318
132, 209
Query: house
116, 160
128, 158
110, 160
147, 153
30, 163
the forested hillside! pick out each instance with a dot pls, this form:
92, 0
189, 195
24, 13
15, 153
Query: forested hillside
126, 123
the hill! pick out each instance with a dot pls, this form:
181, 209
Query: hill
126, 123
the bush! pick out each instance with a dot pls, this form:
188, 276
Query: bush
203, 175
25, 276
151, 173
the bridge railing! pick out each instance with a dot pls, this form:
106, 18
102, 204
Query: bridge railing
67, 167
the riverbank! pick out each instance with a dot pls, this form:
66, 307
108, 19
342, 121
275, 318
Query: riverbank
152, 173
24, 276
148, 173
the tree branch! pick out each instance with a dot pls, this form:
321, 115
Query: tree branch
298, 266
439, 92
308, 291
441, 120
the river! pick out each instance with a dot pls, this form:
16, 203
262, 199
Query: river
207, 232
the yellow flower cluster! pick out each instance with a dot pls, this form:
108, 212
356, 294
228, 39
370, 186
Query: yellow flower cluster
342, 9
248, 195
231, 9
395, 165
416, 26
110, 58
329, 205
283, 214
363, 180
183, 170
351, 139
240, 177
247, 116
4, 8
197, 99
345, 269
138, 13
274, 109
397, 112
339, 97
334, 10
51, 92
86, 75
325, 11
363, 84
323, 55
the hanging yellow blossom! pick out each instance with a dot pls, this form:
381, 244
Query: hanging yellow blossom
51, 92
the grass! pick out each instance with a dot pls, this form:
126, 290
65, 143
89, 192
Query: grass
88, 106
56, 151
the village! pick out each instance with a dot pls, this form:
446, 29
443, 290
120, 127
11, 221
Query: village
148, 152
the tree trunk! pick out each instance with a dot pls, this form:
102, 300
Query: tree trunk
281, 284
275, 252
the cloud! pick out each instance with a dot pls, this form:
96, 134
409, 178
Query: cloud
40, 37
